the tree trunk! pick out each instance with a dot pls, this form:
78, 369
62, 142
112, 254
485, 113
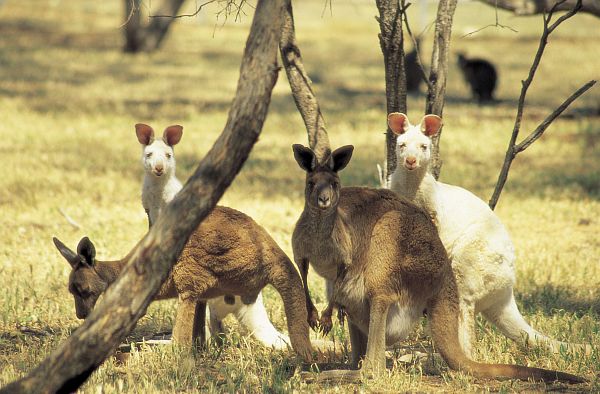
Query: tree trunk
391, 41
301, 86
152, 259
148, 37
132, 27
533, 7
437, 76
158, 27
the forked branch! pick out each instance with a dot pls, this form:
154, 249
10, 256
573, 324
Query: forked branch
514, 148
437, 76
152, 259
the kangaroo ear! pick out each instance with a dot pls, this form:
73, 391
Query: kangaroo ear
398, 123
145, 133
67, 253
431, 124
341, 157
172, 135
87, 250
305, 157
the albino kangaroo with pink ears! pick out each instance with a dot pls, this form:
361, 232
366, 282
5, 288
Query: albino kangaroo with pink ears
159, 187
478, 244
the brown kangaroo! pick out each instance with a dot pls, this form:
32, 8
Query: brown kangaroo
229, 253
388, 265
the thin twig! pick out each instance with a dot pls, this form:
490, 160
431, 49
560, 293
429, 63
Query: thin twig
513, 149
72, 222
130, 14
198, 9
415, 42
497, 24
537, 133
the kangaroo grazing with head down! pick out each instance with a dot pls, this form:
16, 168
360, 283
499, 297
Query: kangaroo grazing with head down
159, 187
483, 256
388, 265
229, 253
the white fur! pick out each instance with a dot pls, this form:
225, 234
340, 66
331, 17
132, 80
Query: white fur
483, 256
159, 187
158, 190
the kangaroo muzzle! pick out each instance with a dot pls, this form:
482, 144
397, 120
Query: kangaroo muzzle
324, 197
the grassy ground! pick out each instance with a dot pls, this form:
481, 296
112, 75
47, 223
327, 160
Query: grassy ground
68, 102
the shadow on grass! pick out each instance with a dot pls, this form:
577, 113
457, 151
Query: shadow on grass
549, 299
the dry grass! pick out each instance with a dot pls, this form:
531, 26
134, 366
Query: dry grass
68, 102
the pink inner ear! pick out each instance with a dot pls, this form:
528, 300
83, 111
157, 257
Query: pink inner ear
172, 134
431, 124
144, 133
398, 122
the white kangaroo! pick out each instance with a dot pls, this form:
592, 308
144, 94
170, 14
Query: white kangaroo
159, 187
482, 254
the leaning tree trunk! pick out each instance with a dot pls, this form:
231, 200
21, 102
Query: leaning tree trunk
152, 259
391, 40
301, 86
437, 76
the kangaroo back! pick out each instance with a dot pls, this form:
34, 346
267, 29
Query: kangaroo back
444, 312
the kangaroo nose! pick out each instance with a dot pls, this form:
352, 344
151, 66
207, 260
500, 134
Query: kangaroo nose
159, 168
411, 160
324, 201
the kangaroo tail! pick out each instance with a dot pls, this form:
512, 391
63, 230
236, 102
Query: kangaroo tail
444, 314
506, 316
287, 282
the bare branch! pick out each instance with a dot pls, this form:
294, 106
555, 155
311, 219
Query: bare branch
533, 7
513, 149
415, 42
497, 24
176, 16
301, 86
126, 300
537, 133
437, 75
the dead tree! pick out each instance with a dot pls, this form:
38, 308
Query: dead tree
514, 148
301, 86
143, 36
391, 41
437, 76
127, 299
533, 7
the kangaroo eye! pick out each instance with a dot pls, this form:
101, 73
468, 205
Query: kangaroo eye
402, 145
424, 147
168, 155
336, 184
311, 185
149, 154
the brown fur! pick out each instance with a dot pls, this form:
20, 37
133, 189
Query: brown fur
228, 253
383, 251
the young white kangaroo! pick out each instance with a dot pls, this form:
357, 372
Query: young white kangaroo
388, 265
159, 187
228, 253
483, 256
